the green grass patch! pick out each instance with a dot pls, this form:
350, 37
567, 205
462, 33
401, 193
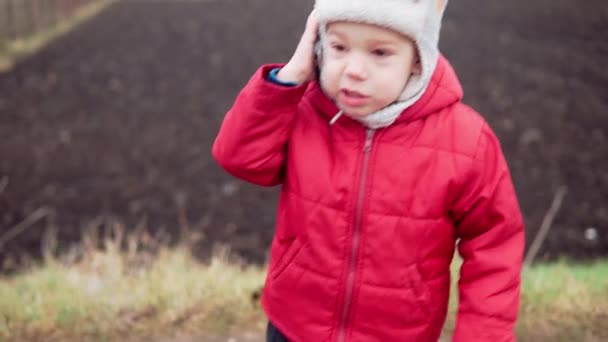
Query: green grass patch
560, 301
15, 50
565, 301
129, 294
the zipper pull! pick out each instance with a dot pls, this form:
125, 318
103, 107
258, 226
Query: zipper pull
369, 137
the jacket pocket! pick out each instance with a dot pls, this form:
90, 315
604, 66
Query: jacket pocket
286, 258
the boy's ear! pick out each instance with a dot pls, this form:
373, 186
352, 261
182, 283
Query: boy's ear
417, 69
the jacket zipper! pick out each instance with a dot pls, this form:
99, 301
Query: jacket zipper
367, 147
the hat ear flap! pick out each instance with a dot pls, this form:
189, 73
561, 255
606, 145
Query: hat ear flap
318, 51
318, 48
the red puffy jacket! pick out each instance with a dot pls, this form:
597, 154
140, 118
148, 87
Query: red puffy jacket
368, 220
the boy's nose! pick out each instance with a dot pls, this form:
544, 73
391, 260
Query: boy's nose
355, 68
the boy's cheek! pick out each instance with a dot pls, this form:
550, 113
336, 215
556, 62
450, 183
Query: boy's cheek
328, 81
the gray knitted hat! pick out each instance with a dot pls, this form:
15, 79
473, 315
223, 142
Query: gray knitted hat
420, 20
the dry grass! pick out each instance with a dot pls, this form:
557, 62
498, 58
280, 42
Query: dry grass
114, 294
124, 291
17, 49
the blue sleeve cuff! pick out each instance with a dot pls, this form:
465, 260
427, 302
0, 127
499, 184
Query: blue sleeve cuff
272, 77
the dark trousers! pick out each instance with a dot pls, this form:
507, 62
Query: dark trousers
274, 335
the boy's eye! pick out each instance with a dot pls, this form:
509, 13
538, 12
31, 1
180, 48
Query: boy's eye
338, 47
381, 52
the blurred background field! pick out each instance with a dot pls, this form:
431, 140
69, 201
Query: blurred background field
114, 121
107, 114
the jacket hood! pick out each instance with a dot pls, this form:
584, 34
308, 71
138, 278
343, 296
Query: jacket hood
444, 89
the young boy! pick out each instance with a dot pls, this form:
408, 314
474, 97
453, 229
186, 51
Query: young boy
383, 170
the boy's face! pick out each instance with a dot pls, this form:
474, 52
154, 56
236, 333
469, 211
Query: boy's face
365, 67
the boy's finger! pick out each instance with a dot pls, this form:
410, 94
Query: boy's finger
312, 23
312, 28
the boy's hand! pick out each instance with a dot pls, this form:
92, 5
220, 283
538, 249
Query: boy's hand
301, 66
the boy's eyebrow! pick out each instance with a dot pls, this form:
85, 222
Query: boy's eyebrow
342, 36
382, 42
370, 42
335, 33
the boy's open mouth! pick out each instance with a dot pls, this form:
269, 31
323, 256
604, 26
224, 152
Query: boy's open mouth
352, 98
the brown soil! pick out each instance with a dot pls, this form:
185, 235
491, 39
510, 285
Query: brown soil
115, 120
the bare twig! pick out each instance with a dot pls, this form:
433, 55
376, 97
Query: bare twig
545, 225
32, 218
3, 184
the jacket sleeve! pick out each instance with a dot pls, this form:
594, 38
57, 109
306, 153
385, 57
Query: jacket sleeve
251, 142
491, 233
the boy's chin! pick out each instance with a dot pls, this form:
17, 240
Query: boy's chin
357, 112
